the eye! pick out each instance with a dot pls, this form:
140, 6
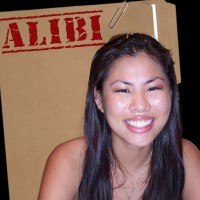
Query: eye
123, 91
153, 88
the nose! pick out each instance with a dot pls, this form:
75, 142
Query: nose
139, 102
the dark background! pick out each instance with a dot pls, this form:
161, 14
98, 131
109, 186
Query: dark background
187, 22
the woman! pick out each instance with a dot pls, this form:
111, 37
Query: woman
133, 147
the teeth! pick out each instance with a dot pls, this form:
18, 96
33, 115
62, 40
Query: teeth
139, 124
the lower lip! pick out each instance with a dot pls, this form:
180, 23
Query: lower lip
142, 130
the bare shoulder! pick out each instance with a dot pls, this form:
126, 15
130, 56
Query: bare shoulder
69, 155
70, 150
191, 155
190, 151
191, 158
63, 171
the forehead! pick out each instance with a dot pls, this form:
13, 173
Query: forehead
141, 65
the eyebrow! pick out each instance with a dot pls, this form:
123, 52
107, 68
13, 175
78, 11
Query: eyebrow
146, 82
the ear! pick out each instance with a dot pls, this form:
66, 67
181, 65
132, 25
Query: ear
98, 99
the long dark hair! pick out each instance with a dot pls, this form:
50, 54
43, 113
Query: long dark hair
166, 173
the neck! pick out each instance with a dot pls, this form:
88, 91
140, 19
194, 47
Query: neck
132, 180
132, 159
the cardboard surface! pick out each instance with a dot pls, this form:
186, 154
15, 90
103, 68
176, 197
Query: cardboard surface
45, 58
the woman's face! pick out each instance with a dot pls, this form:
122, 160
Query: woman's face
136, 100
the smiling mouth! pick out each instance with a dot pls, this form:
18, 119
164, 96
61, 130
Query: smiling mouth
139, 124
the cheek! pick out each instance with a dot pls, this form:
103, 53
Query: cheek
162, 104
113, 105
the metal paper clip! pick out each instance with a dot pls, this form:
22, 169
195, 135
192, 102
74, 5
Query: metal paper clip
117, 16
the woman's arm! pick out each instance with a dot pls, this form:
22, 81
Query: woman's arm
191, 157
62, 172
